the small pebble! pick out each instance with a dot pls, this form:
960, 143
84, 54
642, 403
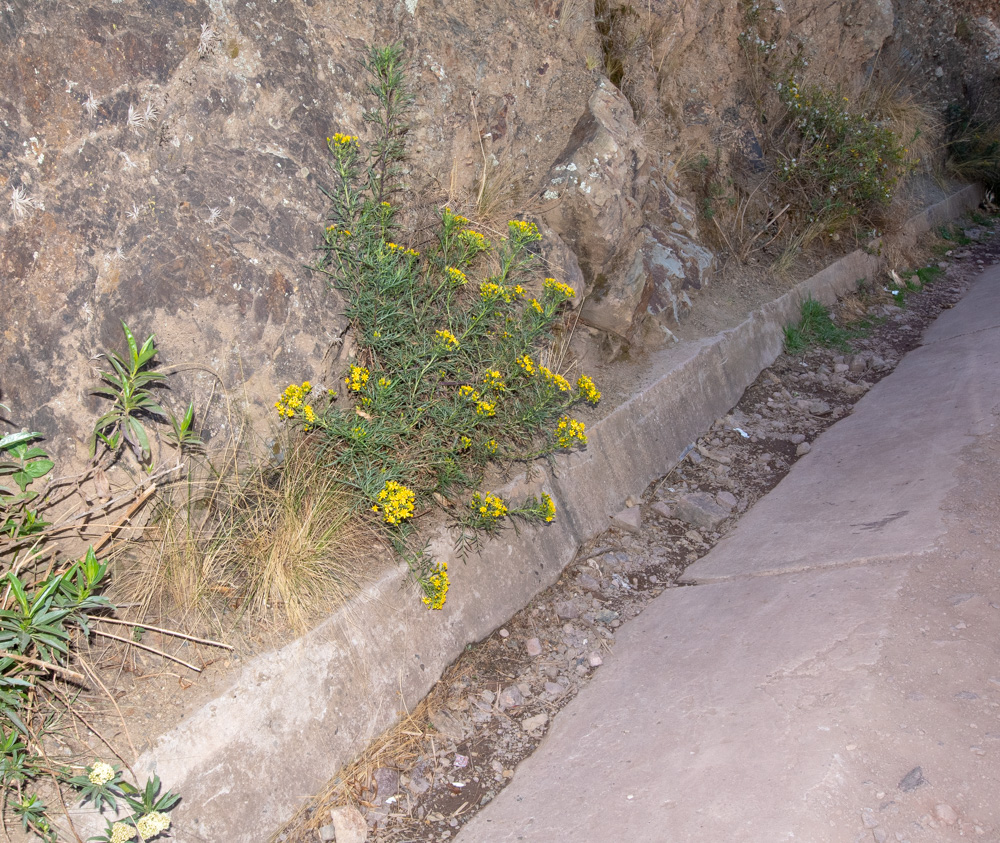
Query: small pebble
946, 814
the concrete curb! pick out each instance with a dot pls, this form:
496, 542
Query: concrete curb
245, 760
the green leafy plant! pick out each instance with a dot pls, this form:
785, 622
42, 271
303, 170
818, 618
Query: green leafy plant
149, 807
451, 341
128, 387
815, 328
973, 143
46, 603
182, 434
954, 234
23, 462
840, 165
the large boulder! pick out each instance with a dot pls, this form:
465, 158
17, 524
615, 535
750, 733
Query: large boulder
633, 234
653, 293
598, 184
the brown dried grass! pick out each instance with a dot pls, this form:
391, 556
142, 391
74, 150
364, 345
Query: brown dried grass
398, 748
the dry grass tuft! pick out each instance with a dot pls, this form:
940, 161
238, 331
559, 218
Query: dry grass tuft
911, 119
287, 541
275, 543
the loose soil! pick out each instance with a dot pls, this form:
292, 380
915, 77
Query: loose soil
493, 706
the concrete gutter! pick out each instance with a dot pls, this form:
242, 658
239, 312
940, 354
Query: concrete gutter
245, 760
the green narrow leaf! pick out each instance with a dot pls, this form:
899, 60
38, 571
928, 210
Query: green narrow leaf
132, 347
140, 434
12, 439
17, 589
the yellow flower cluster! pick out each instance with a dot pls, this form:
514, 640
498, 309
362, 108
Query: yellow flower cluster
101, 773
332, 229
527, 365
451, 217
555, 380
395, 247
493, 380
447, 339
570, 431
152, 824
536, 305
547, 509
457, 276
474, 241
397, 502
357, 379
122, 832
590, 392
293, 402
489, 506
464, 443
491, 446
436, 587
342, 140
358, 432
490, 291
468, 392
384, 383
486, 408
524, 230
558, 289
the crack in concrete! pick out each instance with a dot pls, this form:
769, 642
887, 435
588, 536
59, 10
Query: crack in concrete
860, 562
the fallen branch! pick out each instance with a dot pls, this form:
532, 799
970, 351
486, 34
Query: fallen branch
146, 647
131, 511
172, 632
55, 668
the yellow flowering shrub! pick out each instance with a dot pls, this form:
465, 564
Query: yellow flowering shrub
488, 507
526, 231
558, 289
447, 339
587, 389
357, 378
293, 404
395, 502
548, 509
435, 587
449, 334
492, 379
569, 432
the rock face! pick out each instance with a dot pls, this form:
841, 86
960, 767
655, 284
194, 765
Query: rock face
163, 164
